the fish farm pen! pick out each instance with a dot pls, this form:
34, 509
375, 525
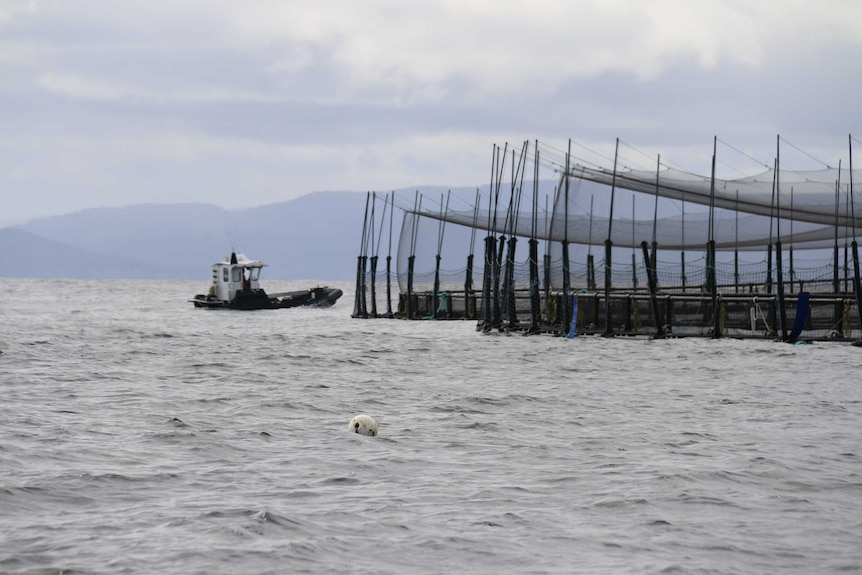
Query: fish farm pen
621, 250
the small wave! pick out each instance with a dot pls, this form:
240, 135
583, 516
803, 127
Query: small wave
218, 365
697, 499
316, 386
482, 426
213, 400
111, 478
457, 408
487, 400
340, 481
708, 436
614, 502
171, 437
106, 477
264, 516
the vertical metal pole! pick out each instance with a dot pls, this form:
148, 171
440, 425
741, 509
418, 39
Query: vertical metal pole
389, 261
609, 246
653, 298
634, 261
779, 272
591, 267
566, 314
736, 246
857, 283
357, 298
836, 287
710, 257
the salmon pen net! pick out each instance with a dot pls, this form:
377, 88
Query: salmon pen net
620, 251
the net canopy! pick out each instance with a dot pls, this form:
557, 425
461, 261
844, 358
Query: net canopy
767, 194
744, 233
679, 210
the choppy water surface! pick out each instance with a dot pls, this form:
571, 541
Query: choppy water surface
141, 435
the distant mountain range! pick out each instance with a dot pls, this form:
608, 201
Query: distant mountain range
316, 236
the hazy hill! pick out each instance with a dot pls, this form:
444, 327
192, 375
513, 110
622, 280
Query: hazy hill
23, 254
312, 237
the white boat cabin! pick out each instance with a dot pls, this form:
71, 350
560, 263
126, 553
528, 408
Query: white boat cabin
235, 274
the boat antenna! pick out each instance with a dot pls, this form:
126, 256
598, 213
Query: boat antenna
230, 236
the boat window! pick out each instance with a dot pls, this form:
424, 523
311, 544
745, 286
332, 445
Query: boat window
255, 274
237, 274
226, 277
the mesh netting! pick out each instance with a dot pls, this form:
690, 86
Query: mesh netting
806, 208
600, 231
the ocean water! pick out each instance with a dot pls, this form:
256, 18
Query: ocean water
141, 435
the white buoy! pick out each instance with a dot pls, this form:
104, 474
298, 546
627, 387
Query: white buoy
363, 424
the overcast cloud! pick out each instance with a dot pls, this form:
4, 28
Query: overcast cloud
106, 103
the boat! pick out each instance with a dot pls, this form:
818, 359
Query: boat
236, 285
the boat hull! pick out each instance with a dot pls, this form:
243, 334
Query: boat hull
259, 299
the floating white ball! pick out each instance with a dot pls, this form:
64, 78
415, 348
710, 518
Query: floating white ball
363, 424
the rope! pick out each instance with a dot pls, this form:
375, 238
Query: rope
762, 315
740, 152
792, 145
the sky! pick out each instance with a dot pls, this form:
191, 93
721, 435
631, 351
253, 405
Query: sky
240, 104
